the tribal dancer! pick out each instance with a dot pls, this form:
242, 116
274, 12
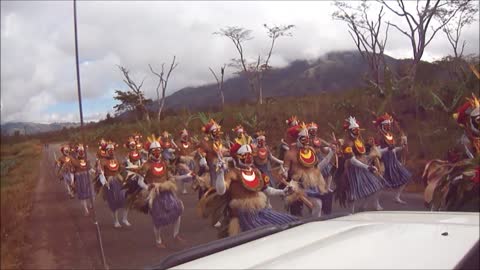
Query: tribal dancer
263, 157
396, 175
64, 169
157, 192
102, 149
139, 144
359, 179
292, 123
168, 147
304, 170
185, 163
110, 182
81, 168
133, 163
455, 185
322, 149
240, 133
239, 192
212, 149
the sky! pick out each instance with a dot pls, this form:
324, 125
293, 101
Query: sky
38, 76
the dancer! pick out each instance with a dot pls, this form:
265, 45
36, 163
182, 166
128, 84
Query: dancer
110, 182
396, 175
81, 168
238, 196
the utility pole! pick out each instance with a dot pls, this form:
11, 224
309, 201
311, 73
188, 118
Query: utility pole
94, 215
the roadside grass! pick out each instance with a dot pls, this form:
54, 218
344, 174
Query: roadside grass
19, 172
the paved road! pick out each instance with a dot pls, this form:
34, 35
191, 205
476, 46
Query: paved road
62, 238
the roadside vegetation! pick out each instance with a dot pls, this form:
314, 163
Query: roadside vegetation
20, 165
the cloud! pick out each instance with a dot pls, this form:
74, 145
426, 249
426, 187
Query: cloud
38, 54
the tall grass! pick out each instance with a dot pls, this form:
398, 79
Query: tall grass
20, 168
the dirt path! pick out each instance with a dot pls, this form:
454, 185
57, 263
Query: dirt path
57, 231
62, 238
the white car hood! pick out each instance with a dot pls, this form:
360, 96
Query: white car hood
368, 240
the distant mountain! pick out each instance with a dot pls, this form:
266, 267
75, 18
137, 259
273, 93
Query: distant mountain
301, 77
336, 71
33, 128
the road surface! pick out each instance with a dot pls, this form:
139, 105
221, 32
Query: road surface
62, 238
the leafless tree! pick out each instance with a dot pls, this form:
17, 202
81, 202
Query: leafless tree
366, 33
255, 70
453, 29
220, 84
421, 29
137, 90
163, 82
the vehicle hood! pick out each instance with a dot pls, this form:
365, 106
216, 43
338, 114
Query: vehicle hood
368, 240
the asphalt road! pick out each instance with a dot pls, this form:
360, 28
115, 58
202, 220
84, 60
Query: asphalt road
62, 238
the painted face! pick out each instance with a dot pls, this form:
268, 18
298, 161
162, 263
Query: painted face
312, 132
261, 141
354, 132
156, 154
103, 144
81, 152
475, 123
304, 140
66, 151
132, 145
245, 159
215, 133
110, 152
240, 133
386, 127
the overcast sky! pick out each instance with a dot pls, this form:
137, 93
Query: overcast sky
38, 79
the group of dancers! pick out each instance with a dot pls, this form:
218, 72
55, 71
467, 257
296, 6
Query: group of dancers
235, 179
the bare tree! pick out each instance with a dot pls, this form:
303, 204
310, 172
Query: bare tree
453, 29
366, 35
137, 90
420, 30
220, 84
255, 70
163, 82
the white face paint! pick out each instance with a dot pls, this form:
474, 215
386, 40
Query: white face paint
475, 123
244, 155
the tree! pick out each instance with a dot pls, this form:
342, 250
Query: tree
109, 119
456, 63
220, 84
129, 102
453, 29
163, 82
421, 29
366, 35
135, 92
254, 71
